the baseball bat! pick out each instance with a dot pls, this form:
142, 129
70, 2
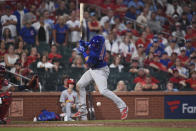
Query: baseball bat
81, 17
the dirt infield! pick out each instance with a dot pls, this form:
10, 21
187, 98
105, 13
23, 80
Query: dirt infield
168, 124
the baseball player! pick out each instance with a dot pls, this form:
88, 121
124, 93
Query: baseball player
99, 72
5, 96
69, 100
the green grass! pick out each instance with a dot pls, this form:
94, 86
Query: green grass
103, 121
97, 129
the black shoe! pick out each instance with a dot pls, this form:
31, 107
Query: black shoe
3, 122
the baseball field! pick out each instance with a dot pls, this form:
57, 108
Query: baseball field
105, 125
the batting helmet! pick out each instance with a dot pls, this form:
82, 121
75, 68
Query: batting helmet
70, 81
96, 42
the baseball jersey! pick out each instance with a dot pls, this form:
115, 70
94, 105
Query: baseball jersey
96, 57
28, 35
66, 97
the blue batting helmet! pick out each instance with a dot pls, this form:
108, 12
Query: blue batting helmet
96, 42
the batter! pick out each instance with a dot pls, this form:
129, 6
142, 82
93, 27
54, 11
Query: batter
99, 72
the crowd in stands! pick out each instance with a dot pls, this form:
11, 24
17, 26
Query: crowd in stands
150, 43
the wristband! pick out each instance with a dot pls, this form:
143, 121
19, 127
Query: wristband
84, 54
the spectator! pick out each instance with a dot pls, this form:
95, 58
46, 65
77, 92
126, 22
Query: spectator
57, 67
107, 5
183, 58
149, 34
19, 13
147, 85
49, 5
120, 8
131, 13
172, 48
176, 79
181, 69
62, 10
3, 51
157, 64
162, 39
108, 18
74, 26
109, 42
72, 7
191, 67
10, 58
53, 54
142, 73
121, 86
153, 24
143, 40
156, 47
65, 85
50, 22
160, 17
23, 60
115, 50
73, 56
7, 36
189, 47
173, 9
9, 21
170, 87
128, 49
165, 59
119, 24
140, 55
44, 64
69, 101
28, 35
134, 66
20, 48
42, 30
142, 18
34, 56
178, 32
117, 63
93, 25
137, 4
31, 15
107, 58
60, 32
47, 19
184, 21
106, 29
192, 81
78, 62
173, 58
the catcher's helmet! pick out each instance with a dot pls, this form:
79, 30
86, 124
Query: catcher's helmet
96, 42
2, 70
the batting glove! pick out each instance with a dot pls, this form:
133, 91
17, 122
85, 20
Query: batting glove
83, 43
81, 49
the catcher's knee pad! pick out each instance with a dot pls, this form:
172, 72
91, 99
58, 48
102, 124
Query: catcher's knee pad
6, 99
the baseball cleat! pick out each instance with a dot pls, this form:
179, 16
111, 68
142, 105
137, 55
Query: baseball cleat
79, 114
124, 113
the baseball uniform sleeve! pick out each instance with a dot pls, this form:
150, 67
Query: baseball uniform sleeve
63, 96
